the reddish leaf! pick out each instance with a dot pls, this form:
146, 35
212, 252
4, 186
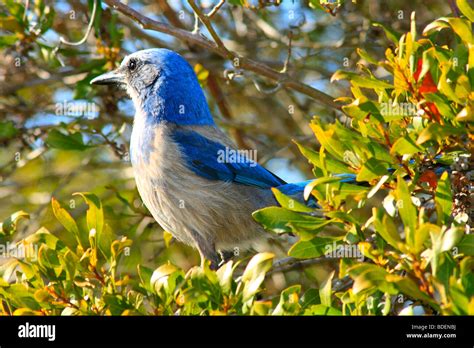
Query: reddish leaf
427, 85
434, 111
430, 177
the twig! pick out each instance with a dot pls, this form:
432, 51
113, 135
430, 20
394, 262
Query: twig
207, 23
89, 28
268, 91
215, 9
284, 70
287, 61
454, 8
62, 40
290, 263
196, 24
245, 63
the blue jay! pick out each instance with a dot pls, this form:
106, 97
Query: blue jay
176, 153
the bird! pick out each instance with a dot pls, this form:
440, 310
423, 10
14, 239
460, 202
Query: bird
202, 198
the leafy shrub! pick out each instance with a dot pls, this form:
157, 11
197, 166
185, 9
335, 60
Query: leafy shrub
409, 142
83, 277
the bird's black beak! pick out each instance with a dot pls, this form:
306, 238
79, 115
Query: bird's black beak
109, 78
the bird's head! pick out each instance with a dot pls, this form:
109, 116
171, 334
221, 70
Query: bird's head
162, 85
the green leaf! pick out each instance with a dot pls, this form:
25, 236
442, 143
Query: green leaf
95, 214
43, 236
7, 129
437, 132
288, 304
392, 35
466, 9
444, 199
405, 146
332, 165
255, 272
238, 2
367, 57
315, 247
316, 5
159, 278
460, 26
451, 238
325, 290
360, 81
407, 210
327, 140
385, 227
372, 169
445, 269
224, 273
48, 258
467, 275
360, 110
320, 182
8, 227
145, 275
466, 245
66, 220
47, 20
322, 310
368, 278
7, 40
105, 240
408, 287
290, 203
281, 220
443, 104
310, 297
421, 236
58, 140
443, 84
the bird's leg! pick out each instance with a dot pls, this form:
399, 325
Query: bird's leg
206, 250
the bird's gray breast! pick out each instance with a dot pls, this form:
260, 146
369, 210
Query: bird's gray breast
155, 160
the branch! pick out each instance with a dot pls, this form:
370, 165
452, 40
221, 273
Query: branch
207, 23
216, 8
290, 263
245, 63
454, 8
287, 61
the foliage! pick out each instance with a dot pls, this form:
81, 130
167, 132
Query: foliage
418, 245
81, 277
396, 241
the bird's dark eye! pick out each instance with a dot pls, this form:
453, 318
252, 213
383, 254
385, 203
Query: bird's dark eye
132, 64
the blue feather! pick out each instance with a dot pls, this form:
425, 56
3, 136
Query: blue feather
175, 96
201, 155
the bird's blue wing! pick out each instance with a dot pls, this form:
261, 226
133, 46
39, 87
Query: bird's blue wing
203, 157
